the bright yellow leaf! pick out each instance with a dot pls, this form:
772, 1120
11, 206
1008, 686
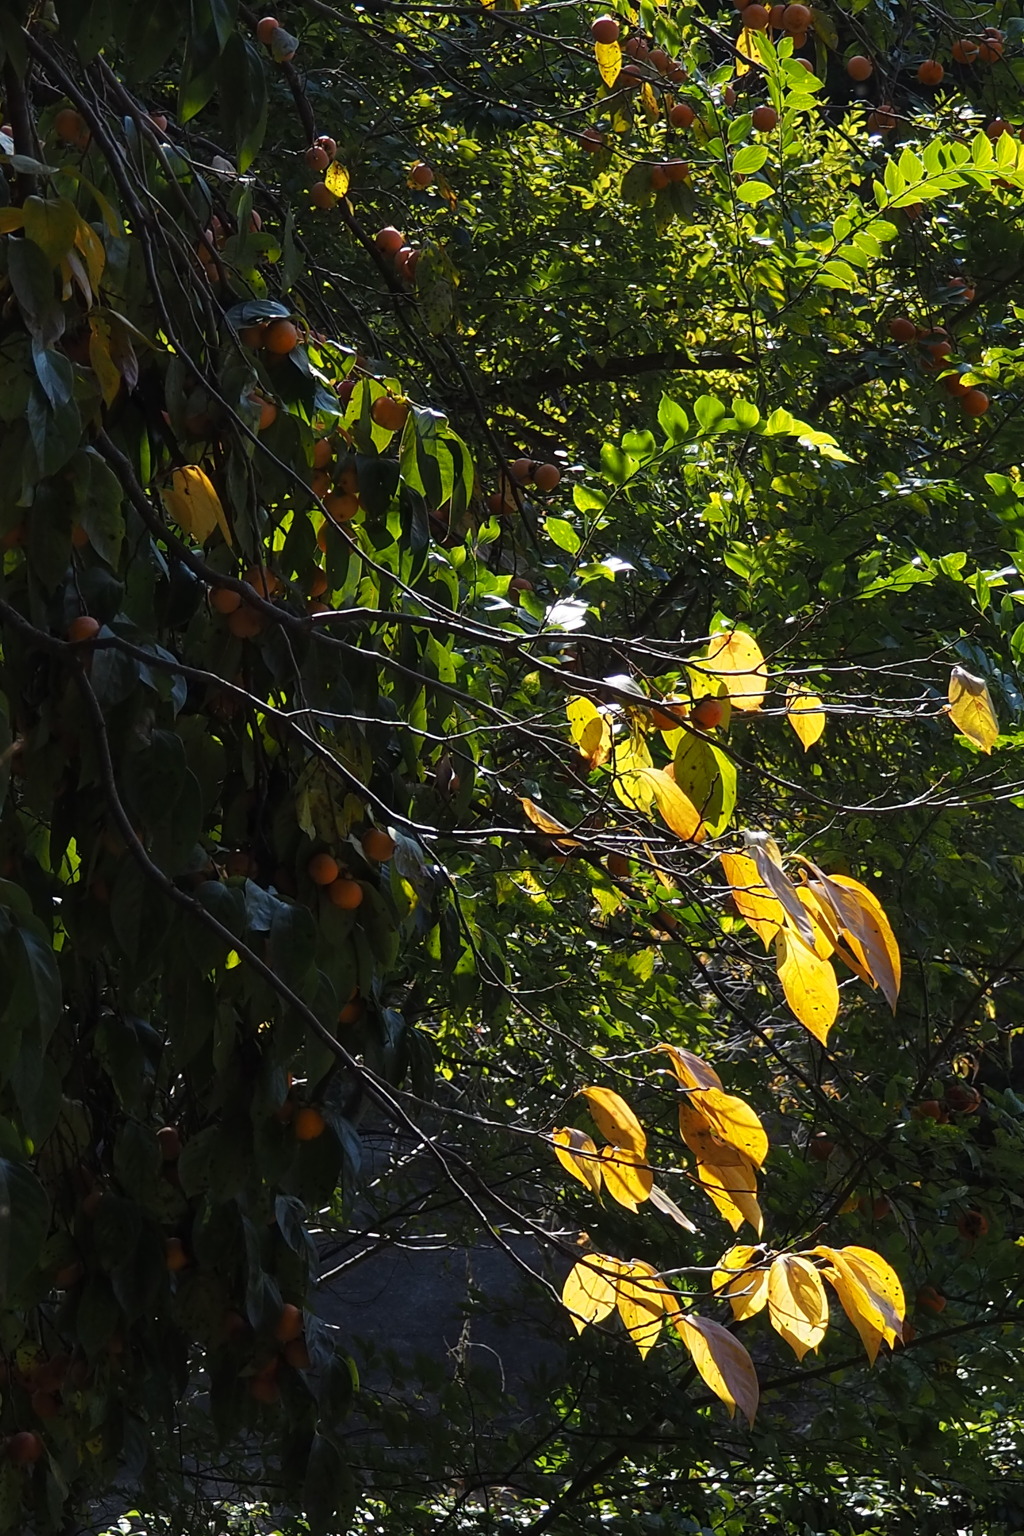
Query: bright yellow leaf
797, 1304
856, 1300
627, 1178
337, 179
822, 920
731, 1186
640, 1296
722, 1361
609, 61
590, 731
970, 708
809, 984
746, 1287
691, 1071
589, 1290
736, 658
677, 811
548, 824
805, 713
194, 504
754, 901
578, 1155
731, 1120
615, 1120
881, 1280
867, 930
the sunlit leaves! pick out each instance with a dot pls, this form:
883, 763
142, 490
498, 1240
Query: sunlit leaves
589, 1290
590, 731
752, 898
736, 658
547, 823
337, 179
640, 1298
578, 1155
678, 812
746, 1287
970, 709
722, 1361
609, 61
797, 1304
809, 983
615, 1120
806, 714
865, 928
627, 1178
194, 504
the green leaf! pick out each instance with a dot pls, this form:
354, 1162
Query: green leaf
563, 534
673, 420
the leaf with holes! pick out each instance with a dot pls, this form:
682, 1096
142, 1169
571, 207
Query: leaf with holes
578, 1155
809, 984
736, 658
615, 1120
627, 1178
589, 1290
797, 1304
722, 1361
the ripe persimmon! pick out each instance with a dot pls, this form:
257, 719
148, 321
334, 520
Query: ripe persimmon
421, 175
990, 45
352, 1011
965, 50
546, 477
308, 1123
605, 29
254, 336
378, 846
389, 413
24, 1448
963, 1098
953, 385
289, 1323
591, 140
859, 67
266, 28
246, 624
617, 865
85, 627
930, 1298
972, 1225
756, 16
659, 178
676, 170
389, 240
316, 157
318, 583
764, 118
341, 506
169, 1138
345, 893
71, 128
521, 470
998, 127
323, 869
321, 195
930, 72
975, 402
681, 115
328, 145
708, 713
282, 337
797, 18
902, 329
268, 412
175, 1257
296, 1353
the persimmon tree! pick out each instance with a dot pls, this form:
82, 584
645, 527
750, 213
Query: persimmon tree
511, 521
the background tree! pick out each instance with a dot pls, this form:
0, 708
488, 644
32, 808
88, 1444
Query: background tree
466, 471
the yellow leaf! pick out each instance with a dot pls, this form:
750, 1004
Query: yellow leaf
11, 218
746, 49
857, 1302
822, 920
627, 1177
590, 731
809, 984
754, 901
337, 179
881, 1280
746, 1288
609, 61
100, 361
194, 504
868, 931
805, 713
548, 823
722, 1361
649, 102
970, 709
691, 1071
797, 1304
578, 1155
678, 812
641, 1297
736, 658
732, 1122
628, 757
764, 850
615, 1120
732, 1189
93, 251
589, 1290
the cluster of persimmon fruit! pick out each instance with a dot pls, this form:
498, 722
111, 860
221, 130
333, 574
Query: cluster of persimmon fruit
935, 349
522, 472
394, 247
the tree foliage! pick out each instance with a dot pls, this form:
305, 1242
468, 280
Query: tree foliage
510, 606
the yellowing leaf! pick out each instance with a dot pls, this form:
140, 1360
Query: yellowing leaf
590, 731
93, 251
641, 1297
805, 713
746, 49
609, 61
970, 708
731, 1121
809, 984
668, 1207
678, 813
628, 757
578, 1155
736, 658
856, 1300
589, 1290
11, 218
764, 850
797, 1304
866, 928
546, 823
732, 1188
822, 920
337, 179
100, 360
746, 1288
615, 1120
194, 504
691, 1071
883, 1283
754, 901
627, 1177
722, 1361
